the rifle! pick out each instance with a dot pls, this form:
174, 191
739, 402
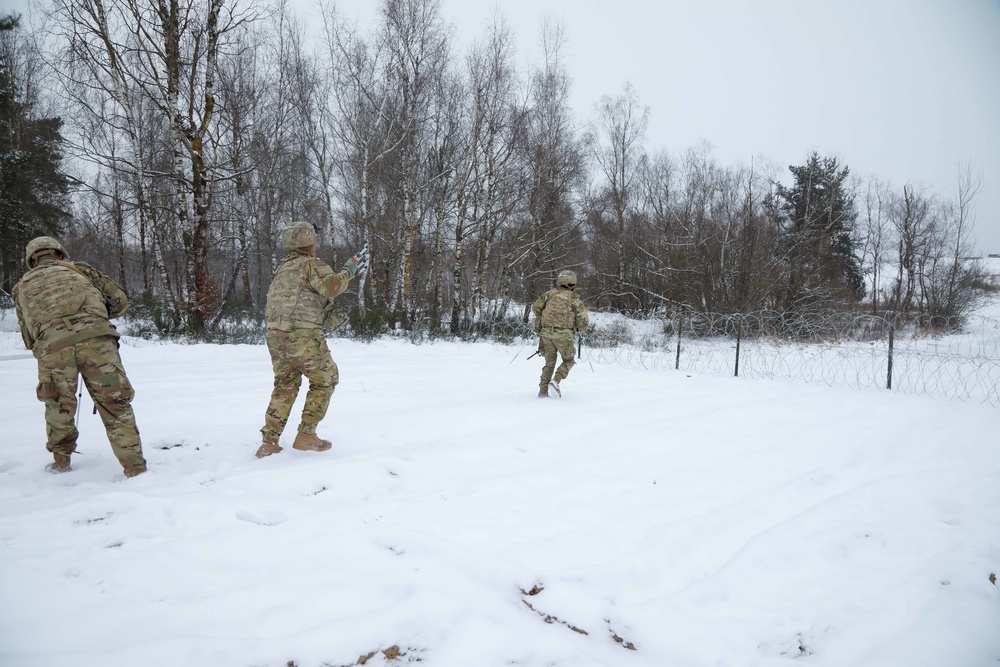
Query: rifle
539, 350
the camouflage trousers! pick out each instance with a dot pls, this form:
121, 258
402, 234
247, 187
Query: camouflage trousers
98, 361
563, 344
294, 354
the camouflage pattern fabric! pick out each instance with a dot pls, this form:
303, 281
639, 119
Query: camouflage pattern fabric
334, 317
564, 344
63, 311
62, 303
560, 309
294, 354
298, 303
98, 361
559, 314
43, 245
301, 288
299, 235
566, 278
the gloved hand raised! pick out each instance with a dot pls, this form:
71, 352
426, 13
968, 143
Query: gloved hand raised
357, 265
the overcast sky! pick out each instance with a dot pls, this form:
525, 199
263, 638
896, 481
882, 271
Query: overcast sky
906, 90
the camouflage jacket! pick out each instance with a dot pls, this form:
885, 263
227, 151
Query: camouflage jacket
559, 310
61, 303
302, 287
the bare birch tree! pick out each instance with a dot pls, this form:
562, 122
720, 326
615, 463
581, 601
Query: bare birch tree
360, 120
875, 201
166, 52
556, 165
489, 179
912, 218
620, 154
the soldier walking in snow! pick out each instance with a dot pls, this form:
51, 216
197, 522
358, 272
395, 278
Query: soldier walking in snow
559, 314
63, 309
298, 301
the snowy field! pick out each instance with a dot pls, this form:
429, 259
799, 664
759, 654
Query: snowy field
647, 518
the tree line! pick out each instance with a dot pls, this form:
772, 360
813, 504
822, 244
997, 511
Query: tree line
170, 142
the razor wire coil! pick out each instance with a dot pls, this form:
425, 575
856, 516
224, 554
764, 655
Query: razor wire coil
955, 358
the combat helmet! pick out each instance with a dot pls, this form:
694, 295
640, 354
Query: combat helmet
566, 279
40, 244
298, 235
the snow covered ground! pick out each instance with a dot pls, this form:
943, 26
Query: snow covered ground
647, 518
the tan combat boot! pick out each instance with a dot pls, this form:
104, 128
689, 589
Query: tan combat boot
132, 471
555, 387
267, 449
543, 391
59, 464
310, 442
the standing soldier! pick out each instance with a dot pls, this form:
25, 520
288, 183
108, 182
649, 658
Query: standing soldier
63, 309
298, 301
559, 314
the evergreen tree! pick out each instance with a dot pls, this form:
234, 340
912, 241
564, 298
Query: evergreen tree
32, 189
818, 216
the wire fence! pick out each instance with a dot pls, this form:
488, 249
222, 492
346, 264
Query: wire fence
950, 358
955, 358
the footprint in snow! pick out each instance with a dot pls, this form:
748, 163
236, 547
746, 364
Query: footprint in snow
262, 519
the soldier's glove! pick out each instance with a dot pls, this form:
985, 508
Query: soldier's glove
357, 265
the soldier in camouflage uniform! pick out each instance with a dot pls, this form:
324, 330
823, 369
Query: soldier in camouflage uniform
559, 314
63, 310
299, 300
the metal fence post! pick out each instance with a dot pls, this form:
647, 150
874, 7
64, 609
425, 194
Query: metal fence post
888, 382
739, 335
680, 328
